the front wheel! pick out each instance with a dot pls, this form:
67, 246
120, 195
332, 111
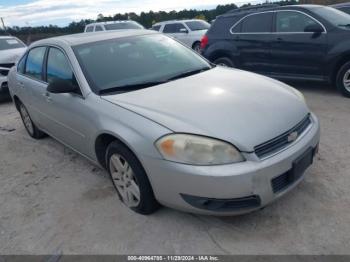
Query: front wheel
224, 61
343, 80
130, 179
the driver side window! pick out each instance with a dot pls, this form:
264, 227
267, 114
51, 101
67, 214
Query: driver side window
58, 67
292, 22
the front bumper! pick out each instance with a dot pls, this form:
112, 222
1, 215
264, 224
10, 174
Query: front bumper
175, 185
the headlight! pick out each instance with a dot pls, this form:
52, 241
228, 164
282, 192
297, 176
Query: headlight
197, 150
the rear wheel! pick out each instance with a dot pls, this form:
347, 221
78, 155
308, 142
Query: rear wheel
130, 179
343, 79
224, 61
31, 128
197, 47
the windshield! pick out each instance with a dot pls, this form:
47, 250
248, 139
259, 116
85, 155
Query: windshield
333, 16
10, 43
123, 25
135, 61
198, 25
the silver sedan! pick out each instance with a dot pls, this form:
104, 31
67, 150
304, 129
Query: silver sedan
169, 127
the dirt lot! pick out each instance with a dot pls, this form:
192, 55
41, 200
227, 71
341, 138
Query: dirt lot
53, 201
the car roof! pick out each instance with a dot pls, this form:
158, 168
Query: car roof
83, 38
266, 8
341, 5
176, 21
111, 22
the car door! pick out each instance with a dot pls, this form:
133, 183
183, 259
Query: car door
252, 37
68, 114
32, 87
177, 31
294, 52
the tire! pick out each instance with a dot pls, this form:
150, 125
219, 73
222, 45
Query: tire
343, 77
29, 125
197, 47
127, 174
224, 61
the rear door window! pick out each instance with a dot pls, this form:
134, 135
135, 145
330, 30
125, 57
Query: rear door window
89, 29
257, 23
34, 64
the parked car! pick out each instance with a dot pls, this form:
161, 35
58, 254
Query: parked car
189, 32
345, 7
112, 25
301, 42
11, 49
168, 126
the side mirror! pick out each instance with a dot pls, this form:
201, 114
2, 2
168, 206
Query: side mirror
184, 30
60, 86
314, 28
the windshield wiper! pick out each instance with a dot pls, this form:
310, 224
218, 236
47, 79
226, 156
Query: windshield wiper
127, 88
346, 25
133, 87
188, 73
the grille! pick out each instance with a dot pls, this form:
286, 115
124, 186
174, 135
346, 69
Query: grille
223, 205
7, 65
281, 182
4, 72
280, 142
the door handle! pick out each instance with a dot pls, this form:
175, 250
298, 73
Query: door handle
279, 39
21, 84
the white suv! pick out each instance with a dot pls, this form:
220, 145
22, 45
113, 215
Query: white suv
189, 32
112, 25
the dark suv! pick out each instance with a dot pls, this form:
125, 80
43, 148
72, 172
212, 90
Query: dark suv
301, 42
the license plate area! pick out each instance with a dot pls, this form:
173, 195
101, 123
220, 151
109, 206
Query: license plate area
283, 181
301, 164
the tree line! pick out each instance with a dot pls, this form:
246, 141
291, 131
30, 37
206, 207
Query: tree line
29, 34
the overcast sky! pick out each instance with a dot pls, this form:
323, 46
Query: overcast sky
62, 12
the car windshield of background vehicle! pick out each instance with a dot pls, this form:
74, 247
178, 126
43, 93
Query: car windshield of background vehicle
123, 25
198, 25
10, 43
150, 59
333, 16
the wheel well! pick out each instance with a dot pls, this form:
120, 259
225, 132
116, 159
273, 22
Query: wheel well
101, 144
196, 42
338, 65
219, 54
17, 102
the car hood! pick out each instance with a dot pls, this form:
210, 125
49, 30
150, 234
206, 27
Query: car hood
11, 55
243, 108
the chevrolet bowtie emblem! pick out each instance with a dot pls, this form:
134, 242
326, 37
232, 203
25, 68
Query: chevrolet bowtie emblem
292, 137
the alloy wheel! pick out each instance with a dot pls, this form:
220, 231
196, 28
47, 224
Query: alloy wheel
346, 80
124, 180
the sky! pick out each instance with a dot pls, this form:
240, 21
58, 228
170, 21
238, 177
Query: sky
62, 12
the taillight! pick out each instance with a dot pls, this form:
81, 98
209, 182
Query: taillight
204, 41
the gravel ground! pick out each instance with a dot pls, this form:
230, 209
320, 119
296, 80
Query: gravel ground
52, 201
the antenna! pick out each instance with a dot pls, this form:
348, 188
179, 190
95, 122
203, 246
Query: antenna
3, 24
